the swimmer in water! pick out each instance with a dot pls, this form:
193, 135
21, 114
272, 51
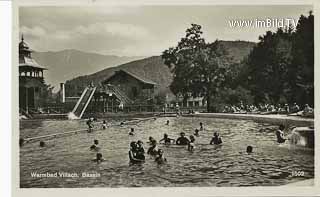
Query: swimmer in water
182, 140
201, 127
216, 139
196, 132
160, 159
153, 150
131, 131
132, 154
21, 141
42, 144
166, 139
191, 143
104, 125
90, 124
151, 139
249, 149
98, 158
280, 134
140, 150
95, 146
167, 122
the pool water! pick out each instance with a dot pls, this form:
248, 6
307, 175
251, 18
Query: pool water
208, 165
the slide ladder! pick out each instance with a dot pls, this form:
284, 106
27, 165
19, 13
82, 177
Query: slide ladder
119, 94
84, 101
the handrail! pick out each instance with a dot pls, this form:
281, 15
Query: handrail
88, 101
79, 101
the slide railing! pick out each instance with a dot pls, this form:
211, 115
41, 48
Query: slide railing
83, 102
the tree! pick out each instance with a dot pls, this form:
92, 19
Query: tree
199, 68
301, 74
280, 68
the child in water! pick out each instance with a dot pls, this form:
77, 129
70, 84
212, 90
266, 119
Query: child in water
280, 135
167, 122
104, 125
42, 144
90, 124
95, 146
249, 149
160, 159
216, 139
166, 139
182, 140
133, 154
151, 139
98, 158
201, 127
196, 132
140, 150
131, 131
191, 143
153, 150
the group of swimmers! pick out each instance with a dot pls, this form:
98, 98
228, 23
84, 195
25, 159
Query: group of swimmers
136, 152
96, 148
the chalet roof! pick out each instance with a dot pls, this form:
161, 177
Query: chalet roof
139, 78
27, 61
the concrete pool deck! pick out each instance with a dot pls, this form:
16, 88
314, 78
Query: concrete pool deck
272, 118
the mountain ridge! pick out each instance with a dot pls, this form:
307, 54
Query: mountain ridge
70, 63
152, 68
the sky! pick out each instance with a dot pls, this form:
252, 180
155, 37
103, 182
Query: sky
140, 30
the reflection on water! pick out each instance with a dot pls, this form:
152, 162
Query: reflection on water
208, 165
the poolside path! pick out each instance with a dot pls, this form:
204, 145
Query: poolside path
271, 118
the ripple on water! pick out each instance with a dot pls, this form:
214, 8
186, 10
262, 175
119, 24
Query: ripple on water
208, 165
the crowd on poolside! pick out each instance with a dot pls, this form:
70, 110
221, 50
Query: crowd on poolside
293, 109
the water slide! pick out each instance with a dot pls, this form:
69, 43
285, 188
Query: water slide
83, 102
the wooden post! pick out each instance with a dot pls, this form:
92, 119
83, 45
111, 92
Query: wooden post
112, 105
104, 104
27, 109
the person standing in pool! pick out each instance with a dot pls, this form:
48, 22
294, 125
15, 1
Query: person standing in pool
216, 139
153, 150
249, 149
98, 158
104, 124
140, 150
166, 139
133, 154
21, 141
182, 140
191, 143
160, 159
201, 127
131, 131
90, 124
196, 132
280, 134
95, 146
151, 139
167, 122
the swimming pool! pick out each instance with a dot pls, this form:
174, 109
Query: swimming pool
208, 165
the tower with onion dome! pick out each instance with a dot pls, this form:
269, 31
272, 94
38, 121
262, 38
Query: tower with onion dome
31, 80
